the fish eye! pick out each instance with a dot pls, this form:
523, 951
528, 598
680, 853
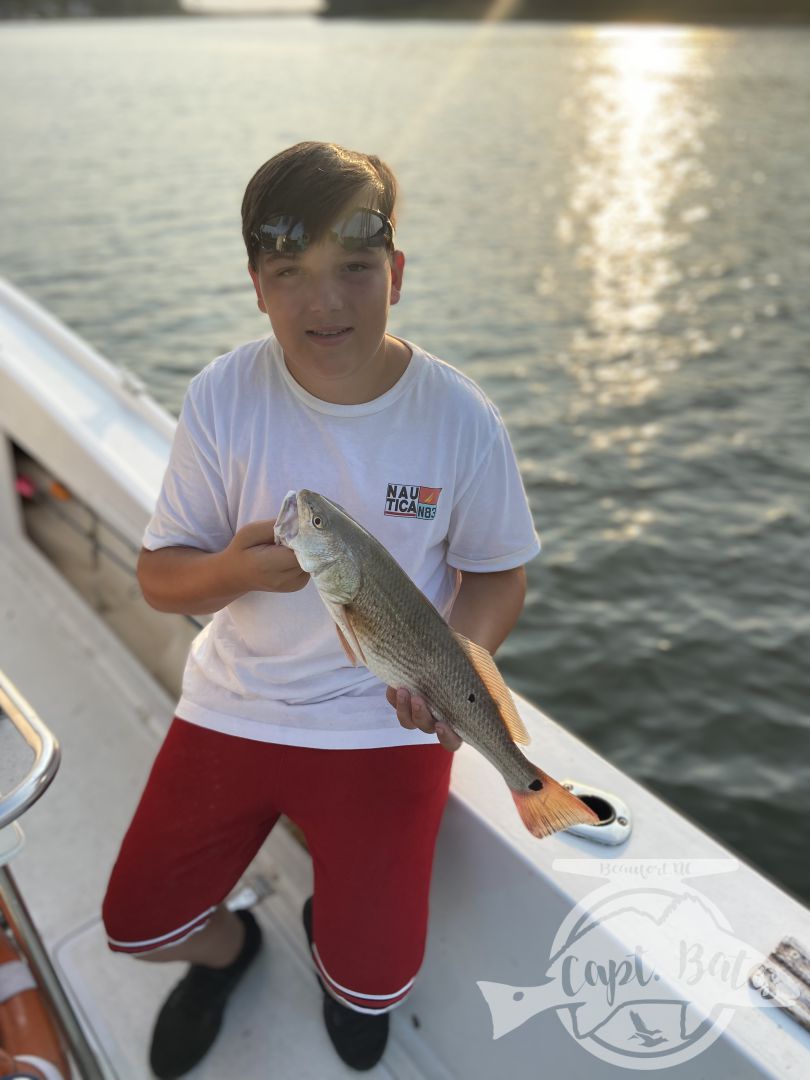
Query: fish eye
317, 521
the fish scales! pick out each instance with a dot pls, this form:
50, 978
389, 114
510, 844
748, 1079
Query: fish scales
407, 643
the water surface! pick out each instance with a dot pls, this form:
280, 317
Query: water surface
606, 227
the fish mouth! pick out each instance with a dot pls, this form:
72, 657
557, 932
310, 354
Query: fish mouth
285, 530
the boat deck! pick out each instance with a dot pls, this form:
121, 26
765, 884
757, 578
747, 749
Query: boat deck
109, 716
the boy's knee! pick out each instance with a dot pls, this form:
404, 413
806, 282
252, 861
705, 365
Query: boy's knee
361, 995
139, 923
119, 910
113, 916
367, 980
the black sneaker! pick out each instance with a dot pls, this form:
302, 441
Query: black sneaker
359, 1038
191, 1016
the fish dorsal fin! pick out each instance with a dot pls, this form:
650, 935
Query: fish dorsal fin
492, 679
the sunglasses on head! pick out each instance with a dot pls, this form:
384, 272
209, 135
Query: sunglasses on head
363, 228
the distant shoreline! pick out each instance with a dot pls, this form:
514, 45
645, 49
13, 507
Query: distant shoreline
744, 13
643, 11
37, 10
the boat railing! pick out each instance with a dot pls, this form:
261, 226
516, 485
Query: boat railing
45, 747
43, 744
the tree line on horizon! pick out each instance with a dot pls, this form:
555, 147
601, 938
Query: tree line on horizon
726, 11
20, 9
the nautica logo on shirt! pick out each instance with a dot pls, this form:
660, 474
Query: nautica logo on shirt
411, 500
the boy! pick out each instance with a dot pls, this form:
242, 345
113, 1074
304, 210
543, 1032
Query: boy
272, 718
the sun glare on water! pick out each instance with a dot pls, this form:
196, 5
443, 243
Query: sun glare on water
642, 121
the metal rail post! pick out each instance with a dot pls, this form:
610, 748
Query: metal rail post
33, 785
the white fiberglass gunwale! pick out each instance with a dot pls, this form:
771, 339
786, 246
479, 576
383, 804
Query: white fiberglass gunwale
61, 394
497, 899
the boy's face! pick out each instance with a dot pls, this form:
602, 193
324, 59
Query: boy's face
329, 310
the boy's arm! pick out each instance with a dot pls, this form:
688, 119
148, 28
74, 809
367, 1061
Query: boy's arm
488, 606
189, 581
485, 610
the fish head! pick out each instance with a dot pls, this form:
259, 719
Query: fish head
324, 539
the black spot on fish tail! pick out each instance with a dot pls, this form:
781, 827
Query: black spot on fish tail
471, 697
536, 785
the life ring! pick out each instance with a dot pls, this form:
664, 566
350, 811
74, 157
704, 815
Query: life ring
30, 1046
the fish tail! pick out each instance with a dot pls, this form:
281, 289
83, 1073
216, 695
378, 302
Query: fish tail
545, 806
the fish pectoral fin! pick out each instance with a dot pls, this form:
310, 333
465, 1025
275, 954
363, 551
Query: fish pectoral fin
346, 634
350, 655
492, 679
351, 639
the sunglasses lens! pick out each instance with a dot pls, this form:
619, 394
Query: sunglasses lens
364, 228
281, 233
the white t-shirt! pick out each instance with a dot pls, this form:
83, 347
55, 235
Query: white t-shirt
427, 468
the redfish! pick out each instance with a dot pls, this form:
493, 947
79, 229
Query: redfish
387, 624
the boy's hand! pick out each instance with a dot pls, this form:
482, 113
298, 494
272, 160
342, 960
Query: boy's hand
412, 712
258, 563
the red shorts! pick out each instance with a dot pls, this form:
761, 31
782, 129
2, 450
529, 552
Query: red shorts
370, 818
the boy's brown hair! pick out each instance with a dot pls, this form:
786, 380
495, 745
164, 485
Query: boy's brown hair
313, 182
